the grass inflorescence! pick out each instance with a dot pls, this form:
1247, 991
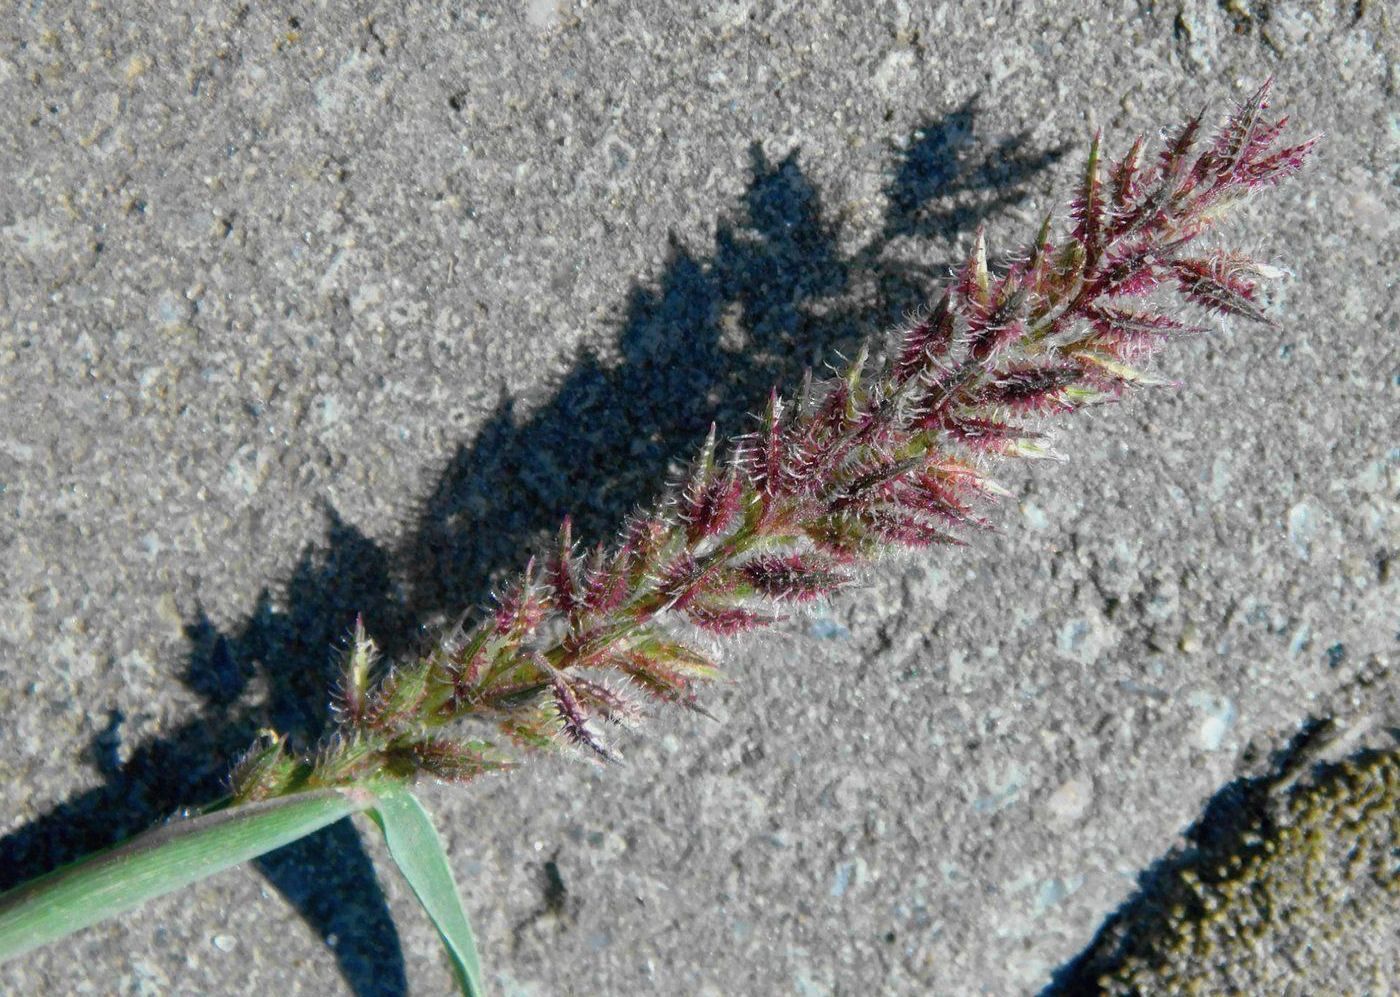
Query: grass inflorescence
889, 454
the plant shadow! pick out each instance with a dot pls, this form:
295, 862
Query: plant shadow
703, 345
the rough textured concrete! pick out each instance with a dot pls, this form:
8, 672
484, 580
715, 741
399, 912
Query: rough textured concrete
309, 312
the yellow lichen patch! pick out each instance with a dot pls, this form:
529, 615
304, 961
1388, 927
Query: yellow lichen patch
1294, 909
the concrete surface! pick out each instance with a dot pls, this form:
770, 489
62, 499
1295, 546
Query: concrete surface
313, 310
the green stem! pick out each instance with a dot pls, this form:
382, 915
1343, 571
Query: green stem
162, 860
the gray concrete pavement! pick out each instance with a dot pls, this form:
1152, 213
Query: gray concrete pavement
322, 309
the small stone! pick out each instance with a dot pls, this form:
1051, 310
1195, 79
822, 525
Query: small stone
1071, 801
542, 13
169, 310
168, 612
1220, 716
136, 67
1035, 517
1302, 528
1190, 640
849, 874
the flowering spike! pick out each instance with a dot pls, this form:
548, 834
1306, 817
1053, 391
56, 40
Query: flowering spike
1277, 167
878, 457
855, 370
1173, 158
983, 434
727, 620
535, 729
265, 770
771, 450
1218, 283
665, 669
644, 538
903, 529
843, 537
357, 662
974, 280
868, 485
932, 494
1087, 208
686, 659
345, 757
1034, 387
605, 582
792, 577
573, 720
1038, 260
562, 577
610, 704
521, 607
1236, 136
1002, 327
924, 344
398, 700
1123, 176
1122, 320
681, 581
1117, 369
444, 759
1129, 274
1128, 333
709, 503
653, 676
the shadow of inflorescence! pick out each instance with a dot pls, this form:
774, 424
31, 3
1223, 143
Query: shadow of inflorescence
704, 344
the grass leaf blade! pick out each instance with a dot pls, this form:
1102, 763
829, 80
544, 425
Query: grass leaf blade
160, 861
414, 844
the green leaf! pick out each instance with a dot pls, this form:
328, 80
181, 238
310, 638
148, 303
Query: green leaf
159, 861
416, 847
